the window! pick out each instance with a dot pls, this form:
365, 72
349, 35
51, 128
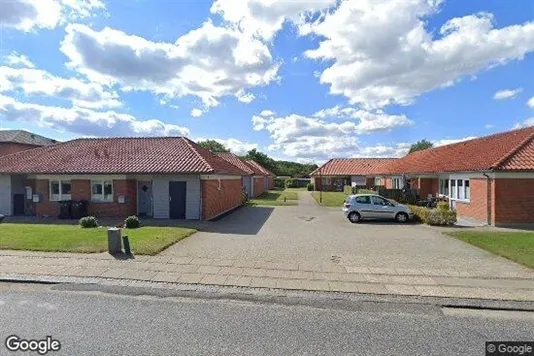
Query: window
454, 192
379, 201
378, 181
461, 192
398, 183
444, 187
467, 190
364, 199
460, 189
60, 190
102, 191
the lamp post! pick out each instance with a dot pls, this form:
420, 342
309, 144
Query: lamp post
321, 188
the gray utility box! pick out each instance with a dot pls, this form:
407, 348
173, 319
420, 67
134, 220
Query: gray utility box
114, 241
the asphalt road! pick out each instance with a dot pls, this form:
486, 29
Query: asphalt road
95, 323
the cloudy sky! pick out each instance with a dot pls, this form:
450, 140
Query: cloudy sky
303, 80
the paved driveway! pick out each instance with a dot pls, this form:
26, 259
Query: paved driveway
311, 234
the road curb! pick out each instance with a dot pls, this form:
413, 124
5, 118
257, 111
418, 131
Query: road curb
320, 299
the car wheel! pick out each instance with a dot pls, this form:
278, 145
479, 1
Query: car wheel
402, 217
354, 217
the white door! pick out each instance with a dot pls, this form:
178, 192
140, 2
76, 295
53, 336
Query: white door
144, 198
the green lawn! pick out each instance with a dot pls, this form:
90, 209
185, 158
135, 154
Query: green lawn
330, 198
72, 238
276, 198
516, 246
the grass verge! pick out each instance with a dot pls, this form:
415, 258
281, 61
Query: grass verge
330, 198
148, 240
515, 246
276, 198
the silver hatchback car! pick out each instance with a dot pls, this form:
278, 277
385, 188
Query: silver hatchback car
369, 206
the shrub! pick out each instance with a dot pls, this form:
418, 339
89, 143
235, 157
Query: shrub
433, 216
132, 222
244, 196
443, 206
366, 191
310, 187
88, 222
290, 183
279, 182
347, 189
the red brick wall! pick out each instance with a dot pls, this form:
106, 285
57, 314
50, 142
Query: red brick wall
427, 186
81, 190
477, 208
217, 201
317, 183
370, 182
270, 184
259, 186
388, 182
513, 201
7, 148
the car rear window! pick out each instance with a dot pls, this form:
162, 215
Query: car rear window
363, 199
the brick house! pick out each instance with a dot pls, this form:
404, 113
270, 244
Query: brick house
253, 181
338, 172
12, 141
488, 179
166, 177
266, 175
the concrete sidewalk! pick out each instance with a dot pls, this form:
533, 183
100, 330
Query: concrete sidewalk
263, 274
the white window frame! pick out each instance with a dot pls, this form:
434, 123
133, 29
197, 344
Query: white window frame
61, 196
460, 192
397, 183
102, 198
378, 181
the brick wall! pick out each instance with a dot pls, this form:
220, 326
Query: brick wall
477, 208
270, 184
217, 201
427, 186
81, 190
259, 186
513, 201
370, 182
387, 182
7, 148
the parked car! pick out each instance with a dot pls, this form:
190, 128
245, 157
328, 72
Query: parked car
370, 206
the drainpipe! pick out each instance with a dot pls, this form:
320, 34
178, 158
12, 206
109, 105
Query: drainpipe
488, 196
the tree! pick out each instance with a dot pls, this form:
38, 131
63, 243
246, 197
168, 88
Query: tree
213, 146
263, 160
420, 145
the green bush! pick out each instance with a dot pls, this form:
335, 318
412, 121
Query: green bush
88, 222
366, 191
132, 222
433, 216
310, 187
347, 189
279, 183
291, 183
443, 206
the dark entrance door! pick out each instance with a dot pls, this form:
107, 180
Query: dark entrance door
177, 192
18, 204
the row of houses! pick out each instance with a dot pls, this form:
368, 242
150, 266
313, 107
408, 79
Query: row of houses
488, 179
164, 177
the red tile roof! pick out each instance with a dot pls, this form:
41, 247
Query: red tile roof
258, 168
119, 155
236, 161
511, 150
353, 166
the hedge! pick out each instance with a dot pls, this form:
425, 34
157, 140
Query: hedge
428, 216
366, 191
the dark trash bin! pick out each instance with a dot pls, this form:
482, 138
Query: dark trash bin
65, 209
79, 209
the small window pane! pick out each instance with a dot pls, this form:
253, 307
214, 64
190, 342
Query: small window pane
379, 201
454, 192
97, 188
54, 187
467, 190
108, 188
65, 187
363, 200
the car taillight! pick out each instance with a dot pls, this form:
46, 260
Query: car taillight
346, 205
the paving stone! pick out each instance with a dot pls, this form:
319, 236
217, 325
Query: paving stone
208, 269
238, 281
430, 291
355, 269
377, 278
139, 274
419, 280
441, 272
223, 263
347, 287
287, 266
181, 260
254, 272
302, 274
113, 273
265, 265
327, 276
350, 277
263, 282
522, 295
275, 273
244, 263
315, 285
185, 268
233, 271
283, 283
303, 266
401, 289
190, 278
381, 270
372, 288
332, 269
409, 271
215, 279
488, 283
159, 259
157, 266
166, 277
478, 293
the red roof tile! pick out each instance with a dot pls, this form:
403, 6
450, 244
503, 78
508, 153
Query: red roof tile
504, 151
236, 161
258, 168
353, 166
119, 155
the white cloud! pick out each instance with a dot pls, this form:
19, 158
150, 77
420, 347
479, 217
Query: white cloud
446, 141
489, 126
507, 93
267, 113
530, 103
393, 58
245, 97
85, 121
525, 123
36, 82
29, 15
15, 59
236, 146
196, 112
209, 62
264, 18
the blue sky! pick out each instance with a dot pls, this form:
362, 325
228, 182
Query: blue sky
301, 80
